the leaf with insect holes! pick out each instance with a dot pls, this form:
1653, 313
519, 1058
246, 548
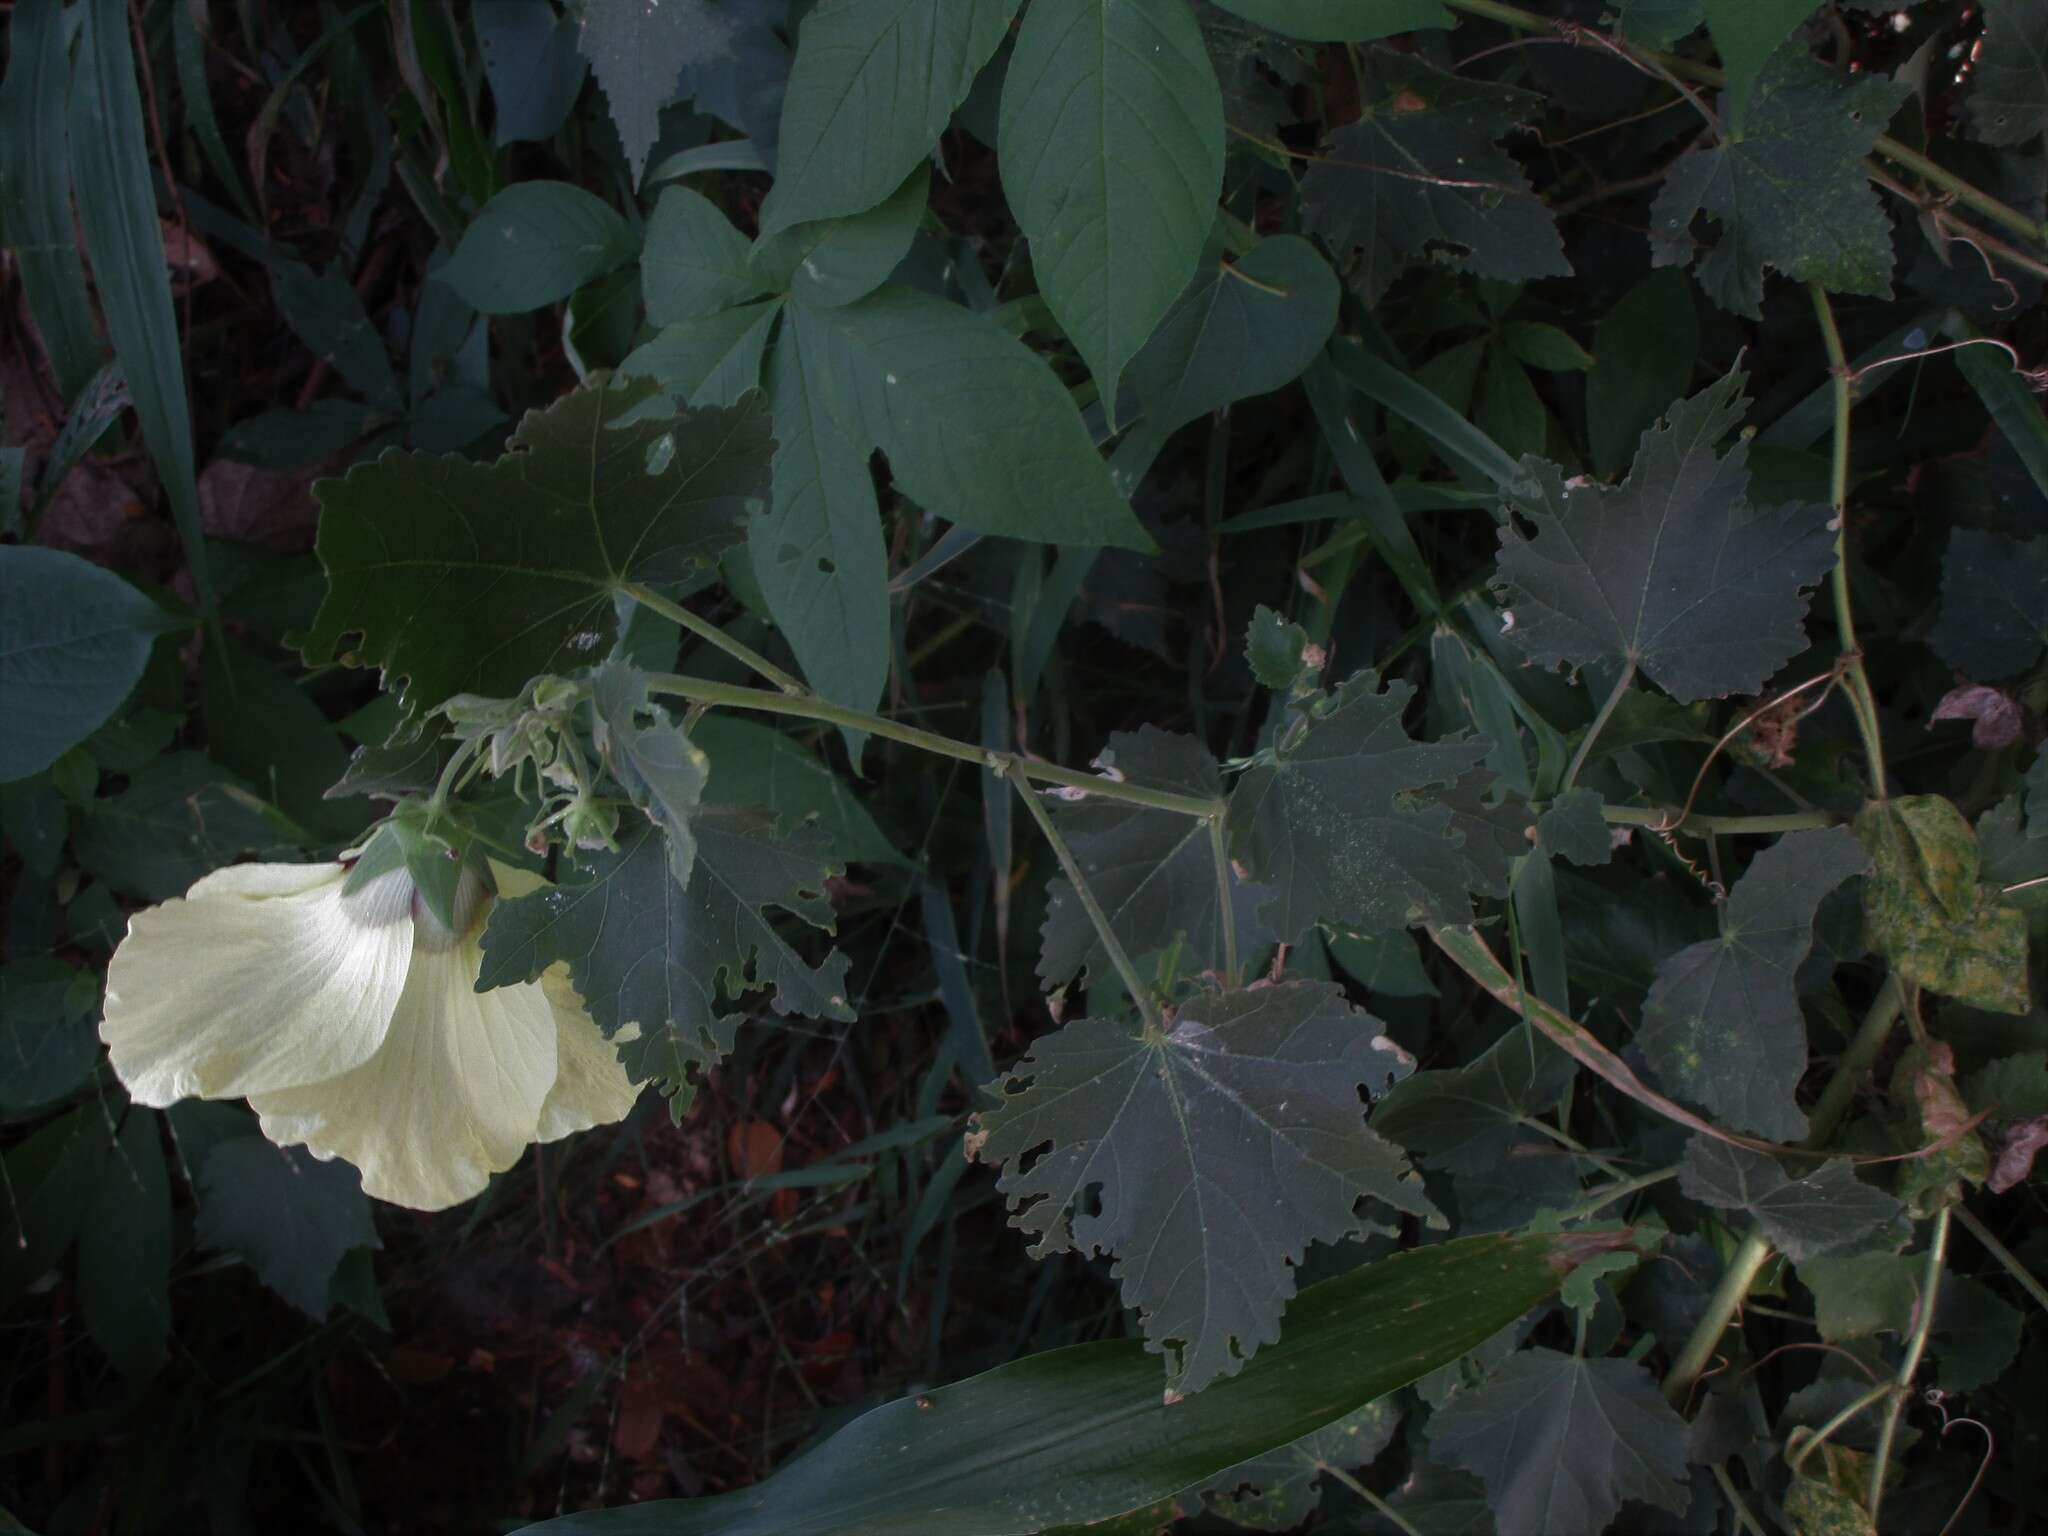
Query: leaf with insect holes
1420, 172
659, 766
1788, 191
1994, 604
1560, 1442
1280, 1490
646, 952
1822, 1210
1355, 823
1205, 1160
1722, 1024
466, 577
1151, 871
1674, 569
2008, 100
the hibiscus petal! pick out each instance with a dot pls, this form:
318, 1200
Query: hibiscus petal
591, 1086
453, 1095
262, 976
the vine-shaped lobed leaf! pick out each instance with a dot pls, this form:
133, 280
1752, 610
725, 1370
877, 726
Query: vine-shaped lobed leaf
1420, 171
1151, 871
1787, 189
1353, 822
1722, 1024
463, 577
655, 962
1205, 1160
1674, 570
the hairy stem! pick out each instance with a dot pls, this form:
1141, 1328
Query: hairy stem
1861, 699
1707, 826
1916, 1346
711, 634
727, 695
1148, 1009
1219, 854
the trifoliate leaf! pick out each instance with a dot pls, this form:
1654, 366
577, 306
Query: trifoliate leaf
694, 262
1341, 21
1278, 1491
1722, 1024
1239, 329
1111, 145
661, 769
291, 1215
1205, 1159
1928, 912
709, 361
462, 577
1574, 829
835, 261
638, 51
1787, 190
818, 552
1419, 171
1356, 824
1674, 569
2008, 99
1152, 872
1561, 1442
1823, 1209
874, 84
644, 951
1472, 1122
1994, 604
976, 427
536, 243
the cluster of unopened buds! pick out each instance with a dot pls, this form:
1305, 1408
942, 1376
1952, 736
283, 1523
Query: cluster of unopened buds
537, 730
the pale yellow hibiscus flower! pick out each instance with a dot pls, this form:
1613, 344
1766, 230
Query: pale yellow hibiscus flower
351, 1022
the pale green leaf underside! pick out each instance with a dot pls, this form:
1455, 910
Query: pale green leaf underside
1111, 144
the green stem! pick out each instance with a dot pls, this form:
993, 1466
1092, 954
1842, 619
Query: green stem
2005, 1256
1722, 1306
1600, 1199
1707, 826
711, 634
1916, 1346
1148, 1009
704, 691
1813, 1442
1861, 698
1386, 1511
1821, 1122
1219, 855
1705, 74
1743, 1517
1571, 774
